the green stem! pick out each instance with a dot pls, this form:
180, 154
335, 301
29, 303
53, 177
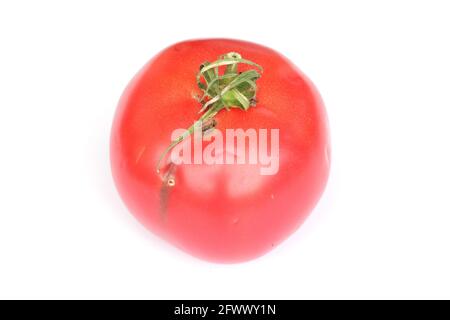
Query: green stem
205, 117
233, 89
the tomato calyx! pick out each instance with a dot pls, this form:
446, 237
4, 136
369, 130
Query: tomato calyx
221, 90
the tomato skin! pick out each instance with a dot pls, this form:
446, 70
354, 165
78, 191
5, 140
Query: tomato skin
221, 213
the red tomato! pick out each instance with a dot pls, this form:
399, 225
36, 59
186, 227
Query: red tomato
220, 212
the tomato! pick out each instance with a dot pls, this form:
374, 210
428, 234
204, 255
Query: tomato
220, 212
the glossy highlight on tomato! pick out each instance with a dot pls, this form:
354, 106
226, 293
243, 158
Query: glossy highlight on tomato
220, 212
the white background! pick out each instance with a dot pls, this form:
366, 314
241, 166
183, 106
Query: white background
382, 228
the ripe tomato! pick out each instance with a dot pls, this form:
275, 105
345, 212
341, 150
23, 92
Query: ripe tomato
220, 212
